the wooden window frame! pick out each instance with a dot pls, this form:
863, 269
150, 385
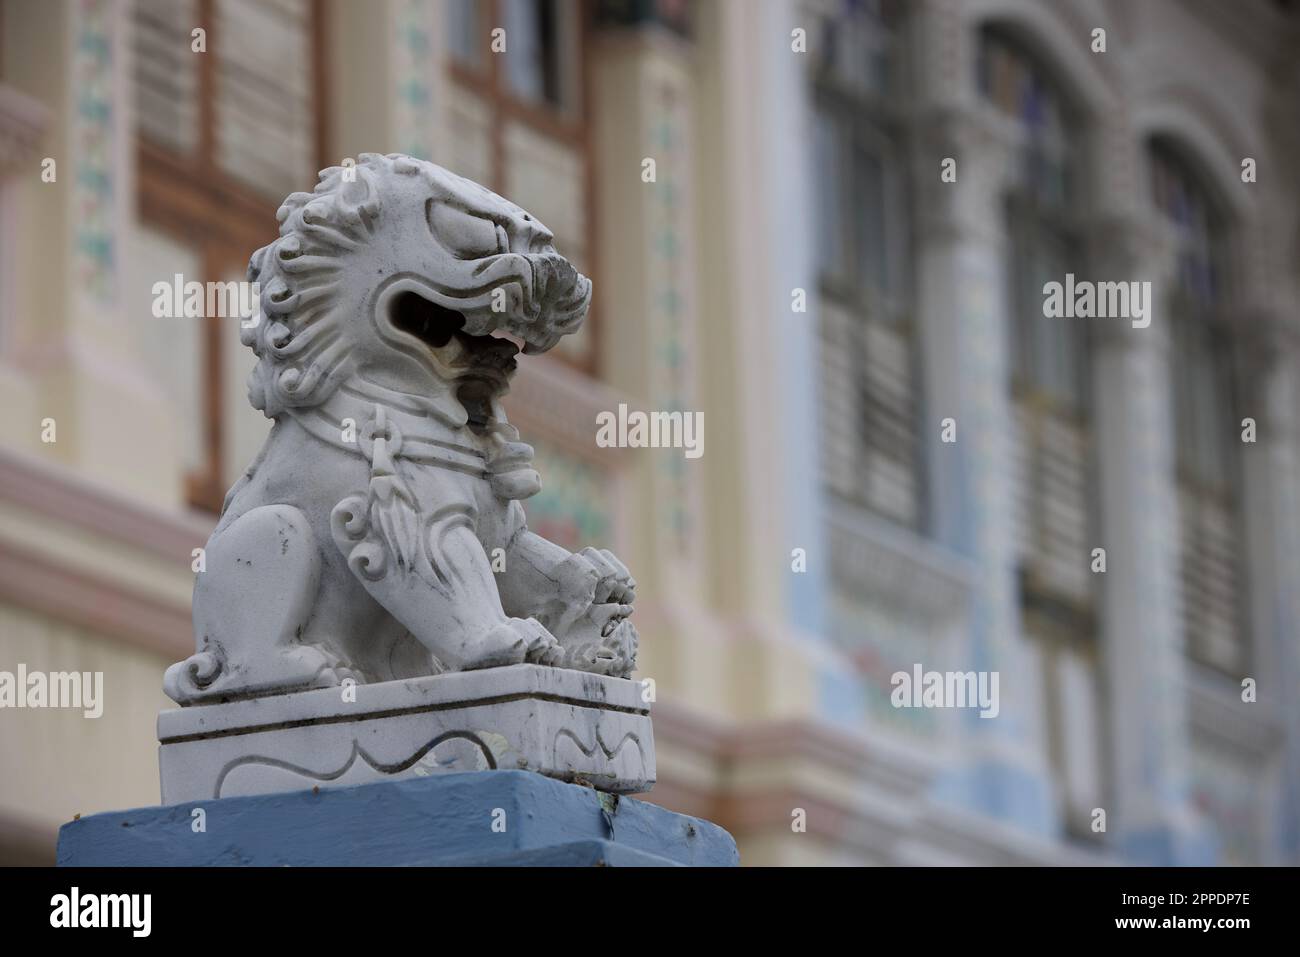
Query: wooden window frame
1026, 219
1055, 621
1028, 214
1228, 494
1208, 321
870, 122
890, 306
572, 129
881, 138
191, 199
1056, 638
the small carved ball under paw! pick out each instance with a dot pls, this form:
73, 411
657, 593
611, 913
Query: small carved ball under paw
614, 654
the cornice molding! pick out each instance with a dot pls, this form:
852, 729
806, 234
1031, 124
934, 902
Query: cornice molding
54, 490
74, 597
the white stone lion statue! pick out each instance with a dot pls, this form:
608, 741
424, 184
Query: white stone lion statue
378, 534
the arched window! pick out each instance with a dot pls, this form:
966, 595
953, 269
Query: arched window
870, 385
1049, 385
1206, 424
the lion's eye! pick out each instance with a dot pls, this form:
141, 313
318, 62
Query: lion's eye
467, 236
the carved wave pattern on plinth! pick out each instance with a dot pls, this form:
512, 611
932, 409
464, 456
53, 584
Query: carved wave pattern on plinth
452, 751
619, 761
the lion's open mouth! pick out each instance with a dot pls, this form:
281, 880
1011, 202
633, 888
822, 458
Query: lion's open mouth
429, 322
488, 358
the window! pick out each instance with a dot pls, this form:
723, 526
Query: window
856, 167
167, 73
1048, 357
1053, 433
223, 136
246, 103
1015, 84
518, 124
869, 380
536, 68
465, 30
1206, 424
860, 47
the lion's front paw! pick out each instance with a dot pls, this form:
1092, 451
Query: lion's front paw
513, 641
542, 648
616, 584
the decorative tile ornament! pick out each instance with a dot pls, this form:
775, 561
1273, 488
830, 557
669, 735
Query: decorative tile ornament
672, 380
93, 133
413, 69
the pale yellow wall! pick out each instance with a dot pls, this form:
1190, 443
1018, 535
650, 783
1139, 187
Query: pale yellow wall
57, 763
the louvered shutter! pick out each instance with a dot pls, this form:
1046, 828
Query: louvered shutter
839, 445
166, 72
1051, 501
869, 400
889, 419
1209, 549
264, 89
1209, 578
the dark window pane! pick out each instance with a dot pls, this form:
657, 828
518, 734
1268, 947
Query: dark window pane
466, 35
533, 50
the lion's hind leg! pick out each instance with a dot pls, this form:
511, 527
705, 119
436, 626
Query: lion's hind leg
250, 608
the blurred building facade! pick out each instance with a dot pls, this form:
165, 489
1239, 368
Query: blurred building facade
800, 271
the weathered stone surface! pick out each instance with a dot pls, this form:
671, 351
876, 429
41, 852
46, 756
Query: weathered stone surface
500, 818
565, 724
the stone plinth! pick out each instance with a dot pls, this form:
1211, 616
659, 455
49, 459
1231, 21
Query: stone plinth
494, 818
570, 725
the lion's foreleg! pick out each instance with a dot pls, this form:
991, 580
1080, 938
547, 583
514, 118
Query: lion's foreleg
543, 580
584, 599
432, 574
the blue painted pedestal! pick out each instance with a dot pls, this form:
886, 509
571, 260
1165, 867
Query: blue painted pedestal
494, 818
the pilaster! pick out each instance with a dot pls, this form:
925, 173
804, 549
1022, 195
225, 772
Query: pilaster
393, 55
1270, 373
759, 355
1145, 661
961, 294
72, 331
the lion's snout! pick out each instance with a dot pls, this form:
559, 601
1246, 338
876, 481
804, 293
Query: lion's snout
560, 297
554, 277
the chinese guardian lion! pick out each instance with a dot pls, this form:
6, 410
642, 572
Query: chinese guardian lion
378, 534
